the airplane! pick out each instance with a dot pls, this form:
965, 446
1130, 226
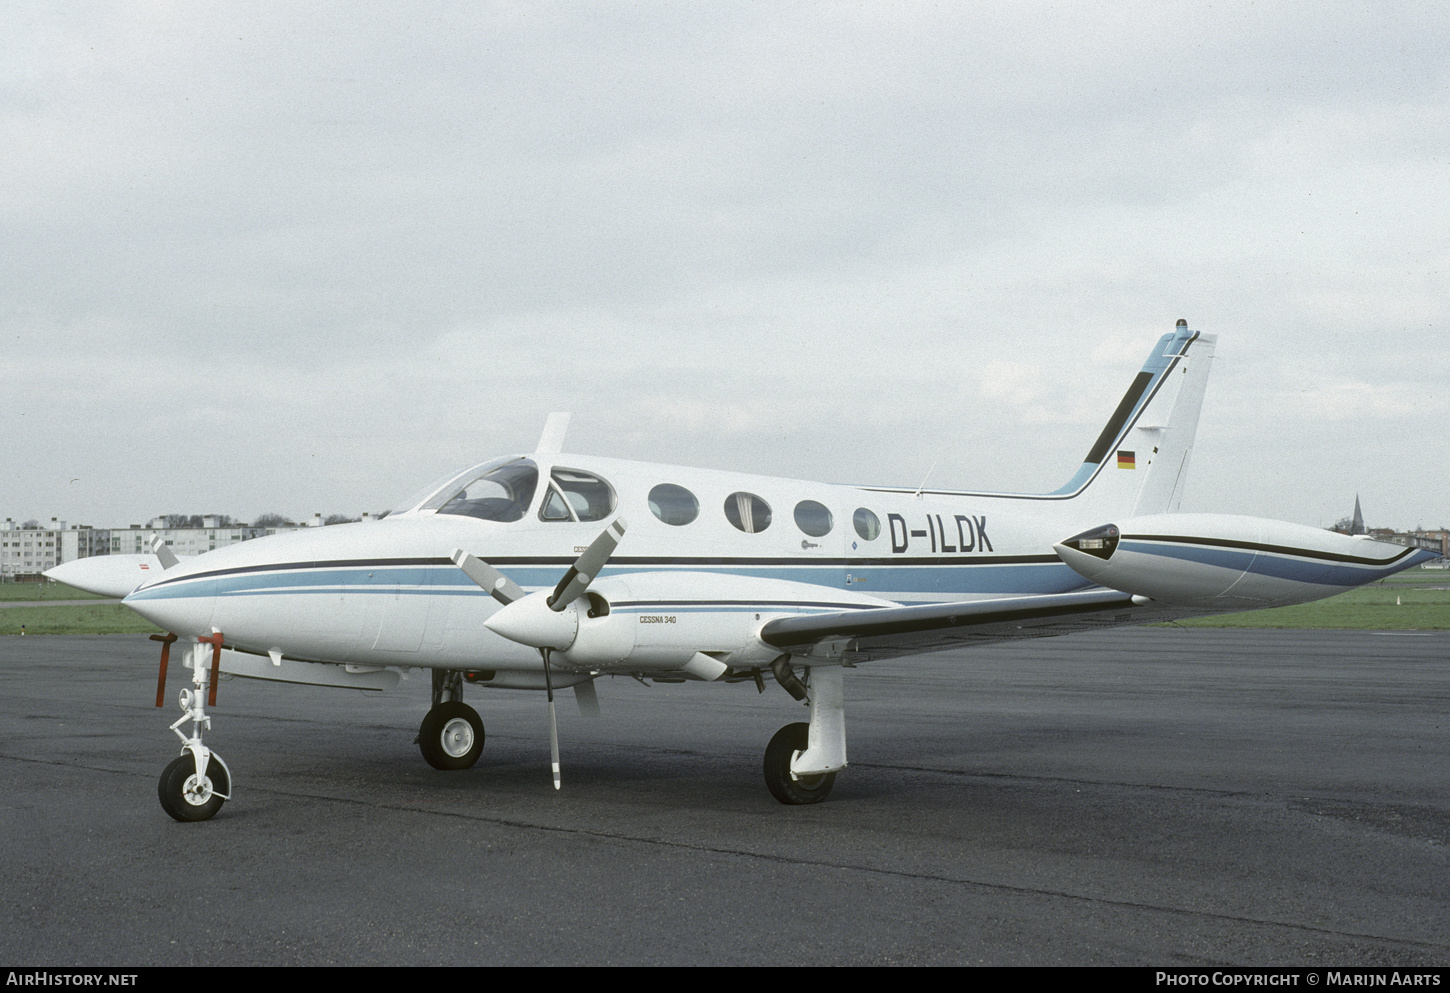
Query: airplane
547, 570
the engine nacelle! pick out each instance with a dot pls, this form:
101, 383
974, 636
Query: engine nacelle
640, 622
1226, 562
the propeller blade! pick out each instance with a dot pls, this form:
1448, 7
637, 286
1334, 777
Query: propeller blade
587, 566
553, 720
587, 698
495, 583
554, 743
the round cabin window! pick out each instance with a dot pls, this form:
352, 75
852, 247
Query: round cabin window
747, 512
814, 518
673, 504
868, 525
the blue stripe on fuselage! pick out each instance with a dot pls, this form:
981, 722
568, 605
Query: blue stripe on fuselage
945, 578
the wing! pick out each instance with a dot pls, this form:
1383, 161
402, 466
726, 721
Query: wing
887, 632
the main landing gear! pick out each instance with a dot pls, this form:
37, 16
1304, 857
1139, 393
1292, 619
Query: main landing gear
194, 786
802, 760
451, 736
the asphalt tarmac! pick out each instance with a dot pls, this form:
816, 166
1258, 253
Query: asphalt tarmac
1142, 797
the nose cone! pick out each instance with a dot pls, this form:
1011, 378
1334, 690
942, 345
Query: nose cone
107, 575
183, 606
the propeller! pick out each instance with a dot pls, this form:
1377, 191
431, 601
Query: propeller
537, 619
499, 586
587, 566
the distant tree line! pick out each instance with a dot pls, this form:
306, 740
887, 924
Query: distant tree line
195, 521
262, 521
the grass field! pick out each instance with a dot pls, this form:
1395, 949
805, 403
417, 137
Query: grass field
80, 618
1418, 600
76, 612
1388, 606
43, 591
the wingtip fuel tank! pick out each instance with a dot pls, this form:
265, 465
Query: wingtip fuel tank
1226, 562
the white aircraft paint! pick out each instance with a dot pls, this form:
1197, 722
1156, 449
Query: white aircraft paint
727, 575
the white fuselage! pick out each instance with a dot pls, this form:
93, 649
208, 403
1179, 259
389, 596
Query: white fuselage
387, 592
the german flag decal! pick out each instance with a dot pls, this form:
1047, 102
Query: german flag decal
1126, 461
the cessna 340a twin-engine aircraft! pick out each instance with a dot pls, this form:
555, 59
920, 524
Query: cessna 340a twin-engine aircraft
520, 572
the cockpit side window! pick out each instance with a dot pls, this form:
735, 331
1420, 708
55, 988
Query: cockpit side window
578, 496
503, 493
555, 507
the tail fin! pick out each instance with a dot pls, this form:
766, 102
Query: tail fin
1140, 461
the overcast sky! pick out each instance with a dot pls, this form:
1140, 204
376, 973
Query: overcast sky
305, 257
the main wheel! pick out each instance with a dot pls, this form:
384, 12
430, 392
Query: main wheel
188, 798
451, 736
782, 748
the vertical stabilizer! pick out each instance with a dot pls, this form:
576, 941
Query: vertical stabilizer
1139, 463
1169, 454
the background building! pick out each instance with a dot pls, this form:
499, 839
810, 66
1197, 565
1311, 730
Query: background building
28, 549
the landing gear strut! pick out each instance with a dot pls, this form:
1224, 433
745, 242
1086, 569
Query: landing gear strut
194, 786
802, 760
451, 736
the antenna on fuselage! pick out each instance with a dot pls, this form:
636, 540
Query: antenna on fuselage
917, 494
555, 427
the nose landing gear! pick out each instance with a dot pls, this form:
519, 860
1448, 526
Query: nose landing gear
194, 785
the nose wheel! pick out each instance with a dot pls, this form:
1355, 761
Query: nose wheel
191, 796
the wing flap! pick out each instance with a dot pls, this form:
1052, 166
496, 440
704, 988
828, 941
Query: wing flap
863, 635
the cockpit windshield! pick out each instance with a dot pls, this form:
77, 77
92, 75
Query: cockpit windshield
495, 491
437, 486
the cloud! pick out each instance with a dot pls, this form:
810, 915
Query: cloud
327, 251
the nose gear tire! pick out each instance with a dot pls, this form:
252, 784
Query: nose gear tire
187, 798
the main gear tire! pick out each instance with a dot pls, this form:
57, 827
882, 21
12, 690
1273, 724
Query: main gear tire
451, 737
788, 789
